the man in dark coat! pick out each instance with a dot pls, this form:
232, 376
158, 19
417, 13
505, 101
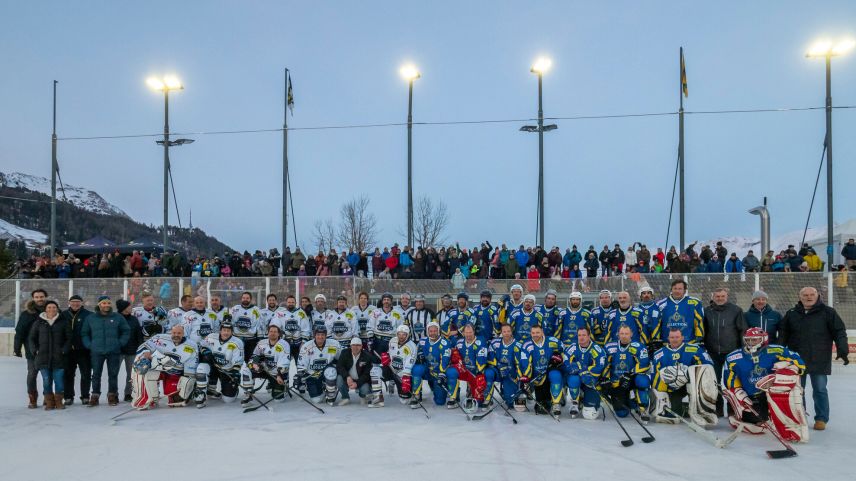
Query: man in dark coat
32, 309
354, 368
129, 350
724, 325
104, 333
810, 329
78, 356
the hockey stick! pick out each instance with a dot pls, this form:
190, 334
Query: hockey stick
496, 403
115, 419
788, 452
260, 404
451, 397
297, 393
624, 442
709, 436
646, 439
398, 378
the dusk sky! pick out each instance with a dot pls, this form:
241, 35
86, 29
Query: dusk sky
608, 180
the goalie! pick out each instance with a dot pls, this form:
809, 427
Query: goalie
171, 358
684, 369
762, 383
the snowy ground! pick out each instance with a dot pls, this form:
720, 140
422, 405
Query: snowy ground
352, 442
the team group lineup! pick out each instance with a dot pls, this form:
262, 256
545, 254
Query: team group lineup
511, 353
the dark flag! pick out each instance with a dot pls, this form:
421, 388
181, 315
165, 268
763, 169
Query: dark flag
683, 74
290, 96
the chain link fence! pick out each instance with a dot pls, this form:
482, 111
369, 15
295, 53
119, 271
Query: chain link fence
782, 289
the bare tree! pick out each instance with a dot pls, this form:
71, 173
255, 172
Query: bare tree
358, 228
430, 219
324, 235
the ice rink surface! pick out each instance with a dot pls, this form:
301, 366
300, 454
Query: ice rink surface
352, 442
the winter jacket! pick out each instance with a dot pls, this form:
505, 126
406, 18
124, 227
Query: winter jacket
733, 265
751, 263
105, 333
522, 257
591, 266
814, 262
849, 252
405, 260
714, 266
811, 333
723, 328
364, 366
49, 343
574, 257
22, 329
135, 337
74, 324
644, 255
512, 267
769, 320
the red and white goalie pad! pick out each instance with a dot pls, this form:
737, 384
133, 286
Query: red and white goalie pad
146, 389
785, 397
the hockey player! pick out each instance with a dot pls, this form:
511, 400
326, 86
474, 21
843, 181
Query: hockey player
418, 318
446, 308
552, 315
247, 322
764, 378
625, 315
221, 357
627, 365
342, 324
468, 362
681, 311
396, 367
175, 316
383, 323
585, 362
456, 319
269, 311
522, 320
320, 314
650, 312
404, 307
543, 366
509, 304
574, 317
294, 325
152, 319
363, 311
199, 322
171, 358
316, 367
599, 316
270, 361
432, 360
485, 316
218, 308
506, 363
684, 369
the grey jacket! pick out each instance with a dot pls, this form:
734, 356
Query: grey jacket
723, 328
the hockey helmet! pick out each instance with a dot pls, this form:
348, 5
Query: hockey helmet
320, 329
754, 339
403, 328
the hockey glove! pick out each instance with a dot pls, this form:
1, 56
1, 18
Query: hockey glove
300, 382
420, 358
384, 359
441, 379
555, 361
405, 385
625, 381
525, 384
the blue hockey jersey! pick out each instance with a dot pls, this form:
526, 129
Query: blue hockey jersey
551, 320
509, 360
473, 355
522, 321
598, 322
631, 318
572, 321
538, 355
585, 362
621, 359
486, 321
743, 370
436, 354
687, 354
686, 314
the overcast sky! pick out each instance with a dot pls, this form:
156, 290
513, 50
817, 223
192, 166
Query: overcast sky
607, 180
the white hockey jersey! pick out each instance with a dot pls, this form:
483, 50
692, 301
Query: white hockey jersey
293, 324
313, 360
363, 320
149, 319
403, 357
247, 322
383, 324
228, 355
273, 359
321, 318
342, 328
174, 317
267, 314
184, 356
198, 325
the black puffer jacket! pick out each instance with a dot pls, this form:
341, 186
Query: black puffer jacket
811, 333
136, 337
22, 328
74, 322
49, 343
723, 328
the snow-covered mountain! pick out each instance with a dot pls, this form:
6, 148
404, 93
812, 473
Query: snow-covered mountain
742, 245
11, 232
79, 196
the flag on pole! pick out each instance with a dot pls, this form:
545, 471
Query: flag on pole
290, 96
683, 74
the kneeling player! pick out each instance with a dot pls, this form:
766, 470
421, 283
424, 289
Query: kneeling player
506, 362
543, 365
170, 358
762, 383
396, 366
627, 371
468, 365
316, 367
585, 361
684, 369
270, 361
222, 356
432, 360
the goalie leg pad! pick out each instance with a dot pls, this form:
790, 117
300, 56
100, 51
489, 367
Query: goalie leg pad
661, 402
184, 387
702, 391
146, 389
787, 412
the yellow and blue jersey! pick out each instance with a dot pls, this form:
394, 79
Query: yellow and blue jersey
589, 360
631, 318
538, 356
551, 320
509, 360
486, 321
573, 321
686, 314
623, 359
598, 321
688, 354
436, 354
743, 370
522, 321
473, 355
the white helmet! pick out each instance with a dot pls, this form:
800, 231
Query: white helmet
403, 328
320, 297
517, 287
576, 295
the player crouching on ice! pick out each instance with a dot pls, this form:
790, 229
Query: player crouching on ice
684, 369
585, 361
432, 361
762, 383
221, 358
270, 361
467, 363
627, 372
543, 364
396, 366
170, 358
316, 367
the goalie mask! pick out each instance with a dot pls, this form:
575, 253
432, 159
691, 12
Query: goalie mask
754, 339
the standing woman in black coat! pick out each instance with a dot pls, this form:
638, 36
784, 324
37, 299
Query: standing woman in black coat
50, 342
